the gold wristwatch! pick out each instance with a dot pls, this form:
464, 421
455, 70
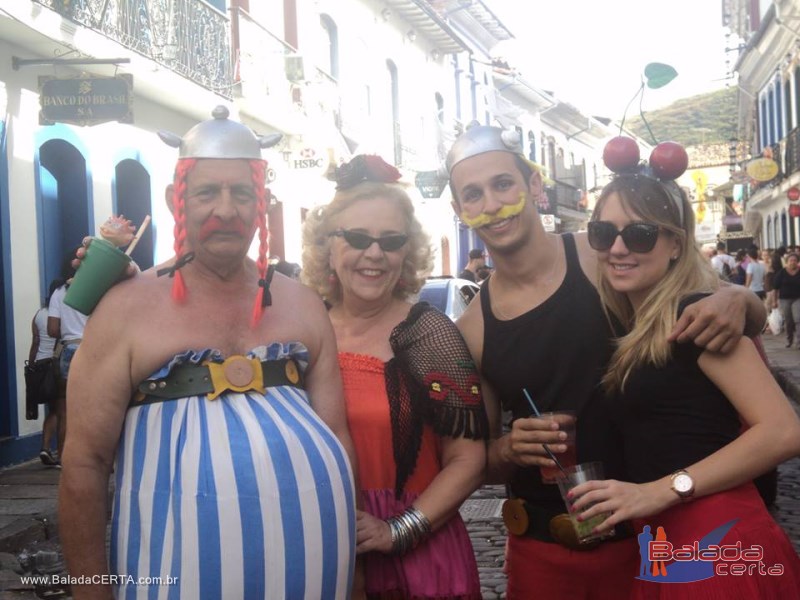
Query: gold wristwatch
682, 484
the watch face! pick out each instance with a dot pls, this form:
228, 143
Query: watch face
682, 483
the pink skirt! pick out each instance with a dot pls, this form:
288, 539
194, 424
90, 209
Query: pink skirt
441, 567
775, 576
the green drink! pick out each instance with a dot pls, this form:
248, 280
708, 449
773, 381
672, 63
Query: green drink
573, 477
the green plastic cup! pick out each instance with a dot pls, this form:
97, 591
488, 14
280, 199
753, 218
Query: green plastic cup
100, 269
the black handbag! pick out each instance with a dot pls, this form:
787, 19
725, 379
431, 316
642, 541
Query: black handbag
41, 385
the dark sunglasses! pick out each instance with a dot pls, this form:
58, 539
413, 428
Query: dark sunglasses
638, 237
362, 241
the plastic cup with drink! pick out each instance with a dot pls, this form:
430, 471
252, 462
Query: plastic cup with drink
102, 266
567, 421
572, 477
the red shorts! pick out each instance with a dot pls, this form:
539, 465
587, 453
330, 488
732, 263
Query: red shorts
542, 570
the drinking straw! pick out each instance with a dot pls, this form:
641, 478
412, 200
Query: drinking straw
138, 235
545, 446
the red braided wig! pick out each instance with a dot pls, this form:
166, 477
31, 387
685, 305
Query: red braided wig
184, 166
258, 170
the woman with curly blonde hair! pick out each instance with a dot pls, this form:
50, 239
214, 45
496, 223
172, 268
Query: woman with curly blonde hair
412, 394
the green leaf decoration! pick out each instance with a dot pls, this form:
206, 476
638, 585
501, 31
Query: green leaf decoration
658, 75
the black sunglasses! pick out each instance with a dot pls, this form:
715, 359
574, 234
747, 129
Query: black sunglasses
362, 241
638, 237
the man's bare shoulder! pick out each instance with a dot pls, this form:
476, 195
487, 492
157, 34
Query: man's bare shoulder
470, 324
136, 294
292, 291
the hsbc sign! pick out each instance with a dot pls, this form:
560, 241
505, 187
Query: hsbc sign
307, 158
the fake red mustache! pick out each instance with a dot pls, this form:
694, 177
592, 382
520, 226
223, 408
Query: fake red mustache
216, 225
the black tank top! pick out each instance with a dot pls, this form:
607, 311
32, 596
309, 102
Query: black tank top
558, 351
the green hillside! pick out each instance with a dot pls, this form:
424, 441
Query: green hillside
703, 119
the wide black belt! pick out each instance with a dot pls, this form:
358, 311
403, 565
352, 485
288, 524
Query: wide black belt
235, 374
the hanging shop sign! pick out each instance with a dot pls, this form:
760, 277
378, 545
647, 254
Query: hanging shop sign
762, 169
86, 100
793, 193
430, 184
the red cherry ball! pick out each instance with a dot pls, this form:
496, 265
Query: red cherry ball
621, 154
669, 160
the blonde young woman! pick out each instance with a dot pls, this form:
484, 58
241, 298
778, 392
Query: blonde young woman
412, 395
679, 408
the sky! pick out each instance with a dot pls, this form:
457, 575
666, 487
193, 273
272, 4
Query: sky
592, 53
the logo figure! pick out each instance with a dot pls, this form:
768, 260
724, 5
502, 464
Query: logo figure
660, 566
644, 539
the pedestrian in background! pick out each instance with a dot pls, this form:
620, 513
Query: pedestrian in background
739, 273
755, 273
477, 260
43, 348
723, 262
413, 399
66, 325
679, 409
787, 285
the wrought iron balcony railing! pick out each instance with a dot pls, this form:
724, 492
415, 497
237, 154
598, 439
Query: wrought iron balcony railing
792, 158
187, 36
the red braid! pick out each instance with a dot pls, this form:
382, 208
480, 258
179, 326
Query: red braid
179, 213
258, 170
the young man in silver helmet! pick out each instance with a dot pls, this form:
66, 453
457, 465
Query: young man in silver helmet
538, 326
216, 390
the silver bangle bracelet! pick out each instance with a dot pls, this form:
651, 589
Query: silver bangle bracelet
408, 529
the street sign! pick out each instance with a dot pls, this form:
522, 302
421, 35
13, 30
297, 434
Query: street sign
793, 193
735, 235
86, 100
794, 210
549, 222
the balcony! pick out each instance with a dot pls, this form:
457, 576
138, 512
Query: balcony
274, 81
187, 36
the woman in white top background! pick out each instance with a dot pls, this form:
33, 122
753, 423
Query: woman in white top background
42, 347
756, 270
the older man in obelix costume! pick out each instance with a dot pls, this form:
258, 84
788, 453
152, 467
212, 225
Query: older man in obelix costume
217, 390
538, 324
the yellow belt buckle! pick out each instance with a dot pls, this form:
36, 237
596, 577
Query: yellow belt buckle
237, 374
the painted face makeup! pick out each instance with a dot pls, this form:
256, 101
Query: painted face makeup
508, 211
216, 225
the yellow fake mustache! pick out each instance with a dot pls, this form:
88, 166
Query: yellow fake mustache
508, 211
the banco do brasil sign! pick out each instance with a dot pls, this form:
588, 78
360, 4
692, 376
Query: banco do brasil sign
86, 100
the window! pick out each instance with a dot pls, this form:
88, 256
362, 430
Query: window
778, 111
330, 46
770, 117
395, 98
796, 121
